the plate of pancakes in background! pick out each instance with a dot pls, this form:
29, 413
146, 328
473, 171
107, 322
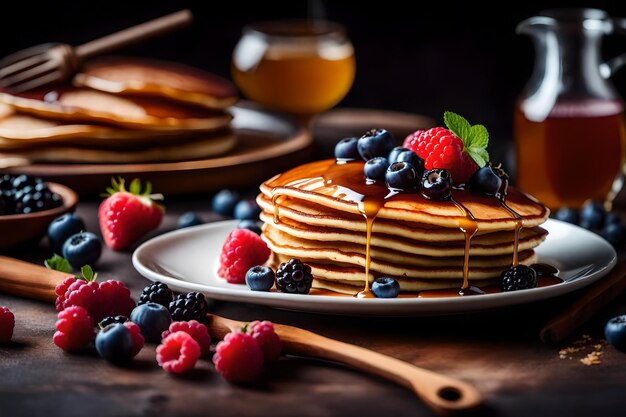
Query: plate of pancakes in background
315, 213
177, 126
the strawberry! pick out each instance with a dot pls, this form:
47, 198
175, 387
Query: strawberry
461, 149
125, 216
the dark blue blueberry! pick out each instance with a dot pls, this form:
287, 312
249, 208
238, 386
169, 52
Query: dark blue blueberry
153, 319
614, 233
385, 288
114, 343
401, 176
247, 210
436, 184
393, 155
224, 202
375, 168
250, 225
485, 181
347, 148
413, 159
615, 332
612, 217
592, 215
567, 214
82, 249
62, 228
191, 218
260, 278
375, 142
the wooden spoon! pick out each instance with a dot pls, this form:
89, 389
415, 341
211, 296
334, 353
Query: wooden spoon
443, 394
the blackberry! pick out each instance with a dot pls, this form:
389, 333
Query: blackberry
518, 277
157, 292
294, 277
190, 306
25, 194
112, 319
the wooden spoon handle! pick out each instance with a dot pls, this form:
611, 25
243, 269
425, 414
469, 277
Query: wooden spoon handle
134, 34
29, 280
443, 394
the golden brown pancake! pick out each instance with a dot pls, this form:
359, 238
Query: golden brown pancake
80, 105
148, 77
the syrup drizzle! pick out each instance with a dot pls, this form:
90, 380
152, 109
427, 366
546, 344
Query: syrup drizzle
518, 227
469, 227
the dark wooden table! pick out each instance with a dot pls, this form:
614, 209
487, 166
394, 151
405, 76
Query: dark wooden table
499, 352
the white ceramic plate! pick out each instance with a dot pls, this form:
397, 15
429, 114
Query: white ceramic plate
187, 259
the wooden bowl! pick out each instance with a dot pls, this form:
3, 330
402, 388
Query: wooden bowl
16, 229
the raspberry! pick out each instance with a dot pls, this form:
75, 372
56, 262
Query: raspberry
178, 352
60, 291
7, 323
196, 330
238, 358
265, 335
74, 329
117, 298
440, 148
87, 295
242, 250
135, 333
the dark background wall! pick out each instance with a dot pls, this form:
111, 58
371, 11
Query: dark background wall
460, 56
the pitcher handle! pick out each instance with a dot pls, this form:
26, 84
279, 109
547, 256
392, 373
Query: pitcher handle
610, 67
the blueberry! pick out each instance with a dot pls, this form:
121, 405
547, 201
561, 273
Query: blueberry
375, 142
413, 159
62, 228
393, 155
153, 319
375, 168
250, 225
247, 210
189, 219
385, 288
485, 181
592, 215
612, 217
260, 278
615, 332
436, 184
114, 343
567, 214
614, 233
224, 202
347, 148
82, 249
401, 176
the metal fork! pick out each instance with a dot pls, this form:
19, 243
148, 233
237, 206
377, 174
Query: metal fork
53, 63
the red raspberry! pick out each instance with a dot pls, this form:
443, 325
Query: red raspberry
196, 330
74, 329
265, 335
135, 333
7, 323
238, 358
178, 352
60, 291
88, 295
440, 148
117, 298
242, 250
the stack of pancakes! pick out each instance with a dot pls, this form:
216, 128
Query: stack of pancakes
315, 213
121, 110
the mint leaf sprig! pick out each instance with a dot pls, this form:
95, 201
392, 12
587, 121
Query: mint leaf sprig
59, 263
475, 138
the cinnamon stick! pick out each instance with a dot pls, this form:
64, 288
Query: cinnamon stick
584, 308
28, 280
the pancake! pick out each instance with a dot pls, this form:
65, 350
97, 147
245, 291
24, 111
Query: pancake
346, 192
197, 148
79, 105
147, 77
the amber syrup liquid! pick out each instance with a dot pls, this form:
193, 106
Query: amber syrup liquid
573, 155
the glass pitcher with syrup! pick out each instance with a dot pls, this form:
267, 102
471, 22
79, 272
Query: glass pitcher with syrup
569, 122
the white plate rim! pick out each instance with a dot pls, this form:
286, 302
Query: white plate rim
373, 306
